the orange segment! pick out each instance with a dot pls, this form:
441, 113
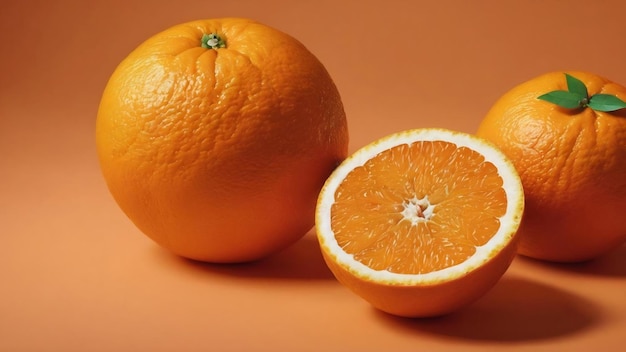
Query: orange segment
418, 208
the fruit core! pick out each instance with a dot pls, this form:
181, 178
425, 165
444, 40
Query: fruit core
417, 209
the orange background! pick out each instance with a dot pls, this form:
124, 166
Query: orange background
76, 275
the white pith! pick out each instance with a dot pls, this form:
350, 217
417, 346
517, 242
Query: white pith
418, 210
509, 221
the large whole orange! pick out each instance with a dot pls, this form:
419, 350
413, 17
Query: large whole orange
572, 163
216, 136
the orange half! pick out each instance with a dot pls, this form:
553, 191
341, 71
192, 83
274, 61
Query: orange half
421, 222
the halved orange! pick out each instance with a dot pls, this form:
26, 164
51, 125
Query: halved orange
421, 222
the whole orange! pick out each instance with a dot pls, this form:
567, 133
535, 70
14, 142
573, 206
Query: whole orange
216, 136
572, 162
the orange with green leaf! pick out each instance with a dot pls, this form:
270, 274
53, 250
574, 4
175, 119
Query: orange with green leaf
566, 135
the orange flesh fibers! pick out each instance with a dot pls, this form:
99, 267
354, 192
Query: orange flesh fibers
419, 208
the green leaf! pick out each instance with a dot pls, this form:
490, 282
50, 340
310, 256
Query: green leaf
563, 98
575, 85
606, 102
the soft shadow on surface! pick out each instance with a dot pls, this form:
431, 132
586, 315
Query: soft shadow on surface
516, 309
610, 264
302, 260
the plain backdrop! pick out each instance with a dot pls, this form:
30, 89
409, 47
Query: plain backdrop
76, 275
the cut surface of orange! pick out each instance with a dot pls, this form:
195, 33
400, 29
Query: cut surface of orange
421, 222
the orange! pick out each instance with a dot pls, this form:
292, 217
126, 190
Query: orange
421, 222
216, 136
572, 163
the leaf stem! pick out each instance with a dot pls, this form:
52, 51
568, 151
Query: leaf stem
584, 102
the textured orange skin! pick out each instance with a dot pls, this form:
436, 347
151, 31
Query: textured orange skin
427, 300
572, 164
219, 155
